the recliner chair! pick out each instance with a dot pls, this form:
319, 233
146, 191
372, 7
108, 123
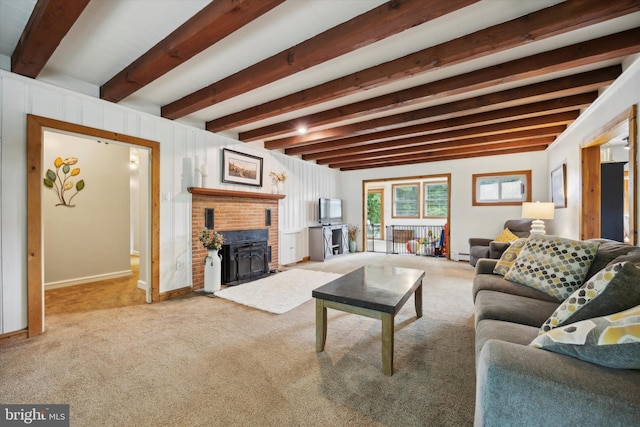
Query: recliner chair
488, 248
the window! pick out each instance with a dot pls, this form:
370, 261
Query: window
436, 199
502, 188
406, 202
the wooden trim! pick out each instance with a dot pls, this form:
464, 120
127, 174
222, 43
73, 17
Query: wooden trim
174, 293
232, 193
475, 176
590, 176
35, 130
10, 337
632, 192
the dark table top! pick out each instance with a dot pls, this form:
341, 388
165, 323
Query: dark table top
380, 288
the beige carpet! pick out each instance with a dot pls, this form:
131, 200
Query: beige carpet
279, 292
199, 361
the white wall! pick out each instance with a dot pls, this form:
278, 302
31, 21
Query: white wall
89, 241
20, 96
619, 97
466, 220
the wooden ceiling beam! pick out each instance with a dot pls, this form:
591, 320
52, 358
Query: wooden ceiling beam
420, 148
211, 24
525, 94
383, 21
537, 144
49, 22
605, 48
309, 152
548, 22
504, 129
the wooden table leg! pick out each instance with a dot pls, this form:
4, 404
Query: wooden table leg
387, 343
418, 299
321, 325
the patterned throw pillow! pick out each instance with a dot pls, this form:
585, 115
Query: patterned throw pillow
612, 341
613, 289
509, 256
553, 265
505, 236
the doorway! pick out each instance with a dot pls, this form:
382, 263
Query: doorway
605, 176
394, 207
36, 126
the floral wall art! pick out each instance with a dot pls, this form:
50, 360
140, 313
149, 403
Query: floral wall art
63, 182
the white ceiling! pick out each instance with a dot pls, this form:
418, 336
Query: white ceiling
110, 34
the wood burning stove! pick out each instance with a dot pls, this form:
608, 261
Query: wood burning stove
245, 256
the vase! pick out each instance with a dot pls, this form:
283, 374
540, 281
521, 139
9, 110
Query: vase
280, 186
352, 246
212, 272
274, 186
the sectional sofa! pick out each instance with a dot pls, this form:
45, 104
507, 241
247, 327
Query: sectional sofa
538, 358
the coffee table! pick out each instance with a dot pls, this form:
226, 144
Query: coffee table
373, 291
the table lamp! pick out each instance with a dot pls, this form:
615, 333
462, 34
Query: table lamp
537, 211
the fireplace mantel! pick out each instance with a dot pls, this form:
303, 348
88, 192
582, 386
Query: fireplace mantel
232, 193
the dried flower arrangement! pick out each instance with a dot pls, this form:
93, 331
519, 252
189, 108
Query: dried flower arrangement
211, 240
280, 177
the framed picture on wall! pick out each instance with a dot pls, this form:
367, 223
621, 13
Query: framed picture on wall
241, 168
559, 187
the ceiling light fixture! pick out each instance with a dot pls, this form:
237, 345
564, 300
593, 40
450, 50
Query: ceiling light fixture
302, 130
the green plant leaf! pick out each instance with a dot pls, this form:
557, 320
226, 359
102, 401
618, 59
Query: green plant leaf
48, 183
51, 175
80, 185
66, 169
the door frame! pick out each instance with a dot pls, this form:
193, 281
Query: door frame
591, 177
447, 176
36, 125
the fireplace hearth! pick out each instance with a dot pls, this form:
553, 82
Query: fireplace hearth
245, 256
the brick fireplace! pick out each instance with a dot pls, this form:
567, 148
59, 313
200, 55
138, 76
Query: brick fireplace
233, 210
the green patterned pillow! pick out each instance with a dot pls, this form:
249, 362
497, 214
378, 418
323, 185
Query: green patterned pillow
612, 341
509, 256
613, 289
553, 265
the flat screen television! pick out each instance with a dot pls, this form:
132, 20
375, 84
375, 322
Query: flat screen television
329, 211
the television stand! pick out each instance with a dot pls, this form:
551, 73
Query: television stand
327, 241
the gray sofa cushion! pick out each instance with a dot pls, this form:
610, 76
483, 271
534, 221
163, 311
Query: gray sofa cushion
489, 329
518, 385
493, 282
512, 308
613, 289
607, 252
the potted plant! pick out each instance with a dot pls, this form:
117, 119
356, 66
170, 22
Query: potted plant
353, 234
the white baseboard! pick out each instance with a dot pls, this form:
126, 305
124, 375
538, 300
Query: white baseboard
88, 279
142, 285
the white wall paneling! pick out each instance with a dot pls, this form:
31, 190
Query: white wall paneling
22, 96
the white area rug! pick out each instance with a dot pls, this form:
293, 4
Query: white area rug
279, 292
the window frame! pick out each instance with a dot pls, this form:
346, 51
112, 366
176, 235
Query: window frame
500, 176
442, 181
393, 199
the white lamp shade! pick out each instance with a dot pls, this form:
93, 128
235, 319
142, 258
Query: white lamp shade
538, 210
